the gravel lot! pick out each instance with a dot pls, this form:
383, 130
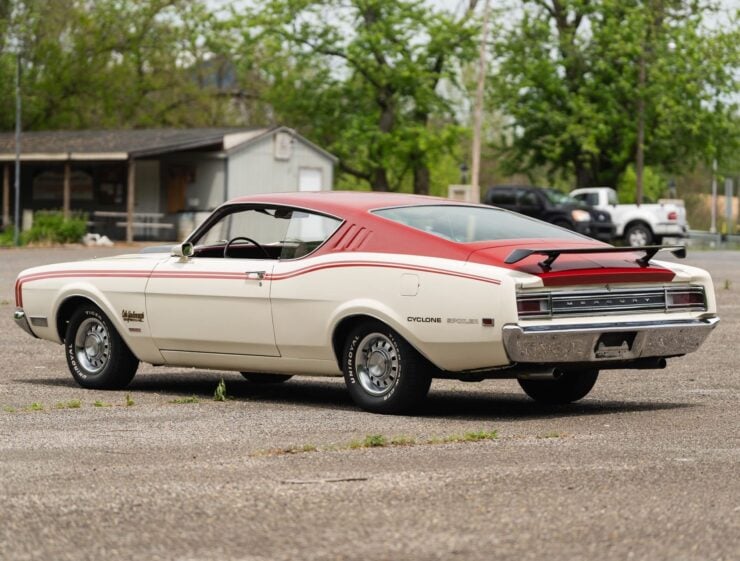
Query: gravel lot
646, 467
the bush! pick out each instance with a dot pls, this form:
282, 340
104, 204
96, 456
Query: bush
51, 227
7, 237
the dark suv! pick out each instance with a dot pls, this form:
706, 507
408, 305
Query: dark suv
554, 207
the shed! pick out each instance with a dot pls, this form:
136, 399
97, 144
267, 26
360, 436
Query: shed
156, 183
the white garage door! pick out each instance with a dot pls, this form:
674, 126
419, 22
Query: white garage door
310, 179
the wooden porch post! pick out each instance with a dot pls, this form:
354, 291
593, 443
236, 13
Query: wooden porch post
130, 201
67, 190
6, 195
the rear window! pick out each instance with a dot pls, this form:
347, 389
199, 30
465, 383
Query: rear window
474, 224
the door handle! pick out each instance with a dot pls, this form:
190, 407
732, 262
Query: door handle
257, 275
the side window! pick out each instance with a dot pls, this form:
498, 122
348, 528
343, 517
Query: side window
503, 197
306, 232
265, 232
529, 199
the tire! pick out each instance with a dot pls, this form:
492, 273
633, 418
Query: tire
260, 378
571, 386
383, 373
638, 235
97, 356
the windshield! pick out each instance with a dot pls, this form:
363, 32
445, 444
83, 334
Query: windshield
474, 224
558, 198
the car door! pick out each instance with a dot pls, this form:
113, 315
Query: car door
211, 303
529, 204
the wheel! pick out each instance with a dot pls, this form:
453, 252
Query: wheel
383, 373
571, 386
260, 378
96, 355
638, 235
245, 238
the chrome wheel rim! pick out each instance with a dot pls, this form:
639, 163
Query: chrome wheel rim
638, 238
92, 345
377, 364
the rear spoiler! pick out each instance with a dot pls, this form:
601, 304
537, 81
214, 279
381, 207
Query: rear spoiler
552, 254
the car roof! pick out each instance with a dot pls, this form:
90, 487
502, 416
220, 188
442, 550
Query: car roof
343, 202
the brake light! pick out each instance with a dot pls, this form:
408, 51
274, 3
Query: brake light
691, 298
533, 305
673, 215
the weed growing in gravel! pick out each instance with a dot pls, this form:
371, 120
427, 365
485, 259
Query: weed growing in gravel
728, 284
71, 404
35, 406
9, 409
128, 401
220, 393
380, 441
180, 400
551, 434
98, 403
402, 441
375, 441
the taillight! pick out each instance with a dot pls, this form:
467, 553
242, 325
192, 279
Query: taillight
691, 298
535, 305
673, 215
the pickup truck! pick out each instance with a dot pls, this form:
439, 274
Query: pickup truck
637, 225
554, 207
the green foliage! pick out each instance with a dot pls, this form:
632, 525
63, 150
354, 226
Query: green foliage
652, 183
362, 79
114, 63
220, 393
71, 404
128, 401
100, 403
35, 406
51, 227
7, 237
568, 77
183, 400
9, 409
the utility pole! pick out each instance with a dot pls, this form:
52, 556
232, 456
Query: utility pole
478, 110
713, 227
17, 214
640, 157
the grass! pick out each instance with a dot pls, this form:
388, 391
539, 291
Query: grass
9, 409
180, 400
128, 400
98, 403
552, 434
728, 284
380, 441
35, 406
220, 393
71, 404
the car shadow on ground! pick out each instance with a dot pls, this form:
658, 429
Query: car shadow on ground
485, 404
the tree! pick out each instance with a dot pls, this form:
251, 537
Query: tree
569, 77
364, 79
114, 63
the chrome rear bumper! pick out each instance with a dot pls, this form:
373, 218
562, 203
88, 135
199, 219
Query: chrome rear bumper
22, 321
593, 343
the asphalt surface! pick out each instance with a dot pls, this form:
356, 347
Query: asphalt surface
645, 467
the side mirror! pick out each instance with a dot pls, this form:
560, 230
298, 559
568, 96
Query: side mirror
184, 249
